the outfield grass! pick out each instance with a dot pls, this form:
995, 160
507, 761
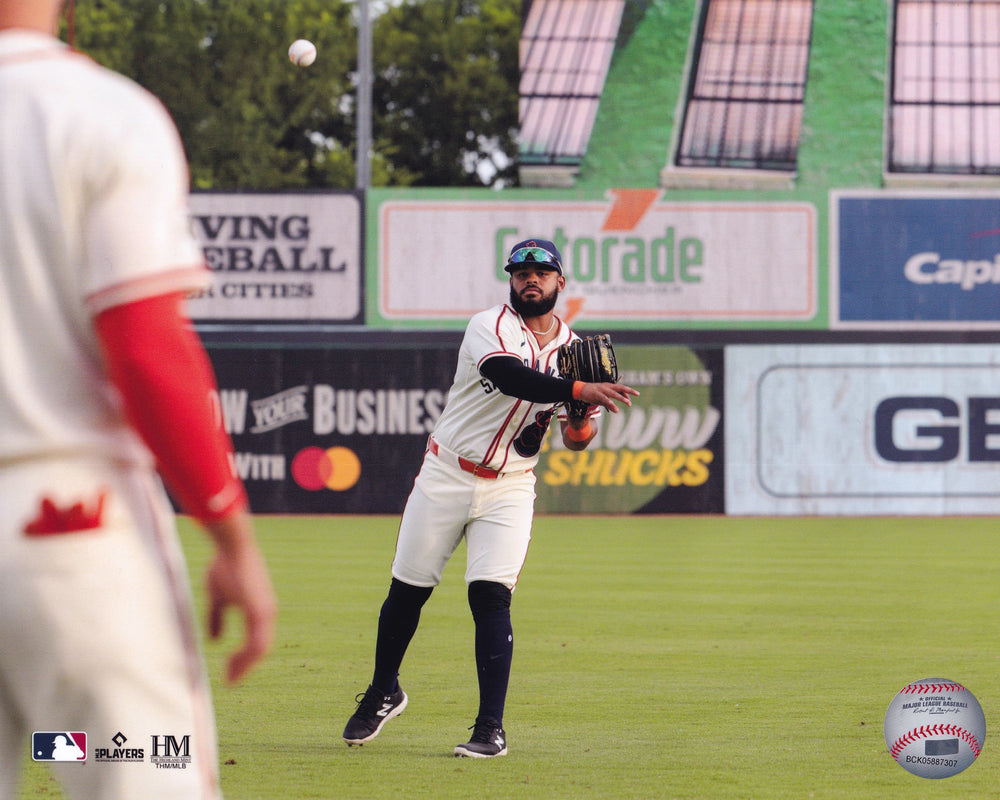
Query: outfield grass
655, 657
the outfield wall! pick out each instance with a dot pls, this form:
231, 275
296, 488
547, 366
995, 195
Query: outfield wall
829, 356
776, 429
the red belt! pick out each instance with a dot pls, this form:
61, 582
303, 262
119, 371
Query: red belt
469, 466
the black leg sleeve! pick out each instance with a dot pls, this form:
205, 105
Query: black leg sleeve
490, 605
397, 623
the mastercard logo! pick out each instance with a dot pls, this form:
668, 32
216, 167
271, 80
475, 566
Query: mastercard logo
335, 468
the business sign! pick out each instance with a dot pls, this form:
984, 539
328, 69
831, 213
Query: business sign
289, 256
909, 261
629, 258
332, 430
863, 430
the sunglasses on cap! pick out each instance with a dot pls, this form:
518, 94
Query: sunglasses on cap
537, 255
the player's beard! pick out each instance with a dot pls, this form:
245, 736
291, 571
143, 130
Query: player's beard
533, 308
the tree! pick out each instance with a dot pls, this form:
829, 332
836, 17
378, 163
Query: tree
248, 117
445, 89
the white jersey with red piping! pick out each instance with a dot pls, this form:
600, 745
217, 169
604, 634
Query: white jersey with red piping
89, 221
481, 423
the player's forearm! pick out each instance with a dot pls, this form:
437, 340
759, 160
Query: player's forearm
233, 532
164, 377
513, 378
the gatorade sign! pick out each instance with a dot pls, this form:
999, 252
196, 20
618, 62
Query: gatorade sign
629, 258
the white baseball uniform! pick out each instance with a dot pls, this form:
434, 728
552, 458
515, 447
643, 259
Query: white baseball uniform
476, 479
97, 633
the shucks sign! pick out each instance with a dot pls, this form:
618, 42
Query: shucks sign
628, 257
59, 746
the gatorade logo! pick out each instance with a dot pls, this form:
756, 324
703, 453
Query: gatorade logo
335, 468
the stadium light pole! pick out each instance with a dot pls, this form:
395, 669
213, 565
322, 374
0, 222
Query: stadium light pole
364, 99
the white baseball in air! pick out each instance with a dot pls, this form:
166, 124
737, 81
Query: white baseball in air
934, 728
302, 52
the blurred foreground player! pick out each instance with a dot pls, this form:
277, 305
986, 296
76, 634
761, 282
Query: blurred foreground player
102, 380
476, 481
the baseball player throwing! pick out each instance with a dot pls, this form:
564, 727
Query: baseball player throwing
101, 378
476, 481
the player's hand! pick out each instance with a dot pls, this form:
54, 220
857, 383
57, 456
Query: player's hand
607, 395
238, 577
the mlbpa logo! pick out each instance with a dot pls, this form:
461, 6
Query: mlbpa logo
59, 746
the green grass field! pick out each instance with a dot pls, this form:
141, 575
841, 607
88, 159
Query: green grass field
655, 657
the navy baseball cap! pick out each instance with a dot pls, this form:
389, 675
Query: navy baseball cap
536, 252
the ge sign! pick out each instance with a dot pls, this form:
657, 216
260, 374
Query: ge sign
930, 429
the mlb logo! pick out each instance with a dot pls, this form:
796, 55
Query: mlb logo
59, 746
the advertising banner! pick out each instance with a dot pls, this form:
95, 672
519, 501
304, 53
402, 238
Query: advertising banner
289, 256
664, 455
911, 261
330, 430
851, 430
629, 258
343, 430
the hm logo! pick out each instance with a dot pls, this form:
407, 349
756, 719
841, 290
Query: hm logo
171, 747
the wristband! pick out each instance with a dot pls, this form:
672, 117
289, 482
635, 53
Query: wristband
577, 389
579, 434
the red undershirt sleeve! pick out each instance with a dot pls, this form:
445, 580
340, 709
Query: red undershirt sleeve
158, 365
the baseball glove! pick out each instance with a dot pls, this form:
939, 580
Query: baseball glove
592, 360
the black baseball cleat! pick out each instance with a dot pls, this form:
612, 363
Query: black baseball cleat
374, 710
488, 740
